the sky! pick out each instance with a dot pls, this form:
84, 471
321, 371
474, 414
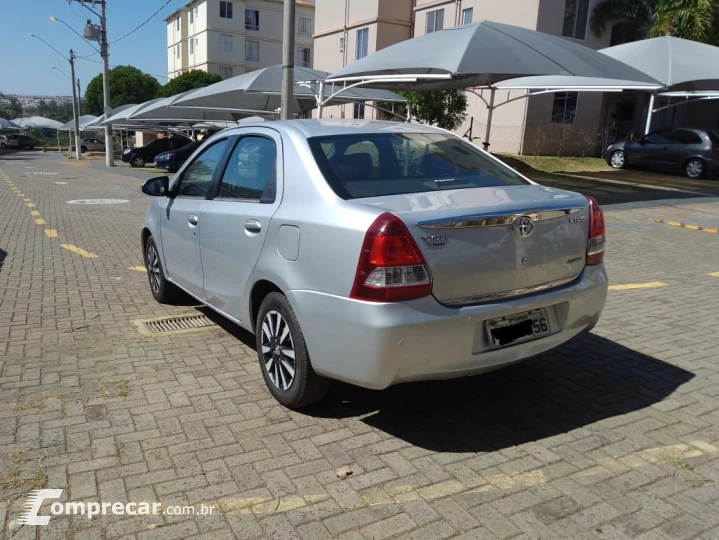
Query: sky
26, 62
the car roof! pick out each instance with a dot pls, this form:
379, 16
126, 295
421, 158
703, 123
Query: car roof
331, 127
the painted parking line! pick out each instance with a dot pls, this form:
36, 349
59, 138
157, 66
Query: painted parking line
27, 200
138, 268
51, 233
34, 213
689, 226
79, 251
714, 274
40, 221
31, 205
630, 286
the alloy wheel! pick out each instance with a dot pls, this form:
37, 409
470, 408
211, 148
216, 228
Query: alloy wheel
617, 160
278, 350
153, 268
138, 162
695, 168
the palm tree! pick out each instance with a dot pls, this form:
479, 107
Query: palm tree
697, 20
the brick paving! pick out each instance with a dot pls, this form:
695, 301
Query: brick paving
615, 435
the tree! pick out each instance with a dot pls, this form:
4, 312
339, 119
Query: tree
697, 20
127, 85
442, 108
13, 108
191, 80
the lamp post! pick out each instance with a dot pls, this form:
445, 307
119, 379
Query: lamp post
74, 113
288, 60
91, 32
78, 155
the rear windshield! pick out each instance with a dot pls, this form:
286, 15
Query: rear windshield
376, 164
713, 137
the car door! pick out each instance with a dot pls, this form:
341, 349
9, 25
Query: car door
654, 149
180, 222
235, 221
687, 144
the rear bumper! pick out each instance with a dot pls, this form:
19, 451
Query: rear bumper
378, 345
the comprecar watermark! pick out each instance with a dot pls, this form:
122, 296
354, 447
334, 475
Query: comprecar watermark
93, 509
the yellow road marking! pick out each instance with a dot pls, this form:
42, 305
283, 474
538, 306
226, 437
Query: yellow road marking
79, 251
138, 268
714, 274
629, 286
39, 222
34, 213
31, 205
711, 231
51, 233
689, 226
27, 200
20, 194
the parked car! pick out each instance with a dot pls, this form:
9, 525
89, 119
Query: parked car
138, 157
172, 160
20, 141
374, 254
695, 152
91, 145
3, 141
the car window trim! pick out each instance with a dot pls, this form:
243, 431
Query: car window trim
221, 166
215, 187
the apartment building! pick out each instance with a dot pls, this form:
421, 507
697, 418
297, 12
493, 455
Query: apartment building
231, 37
347, 30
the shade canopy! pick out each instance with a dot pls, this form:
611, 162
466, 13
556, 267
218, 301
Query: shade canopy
484, 54
120, 115
83, 121
260, 91
37, 122
7, 124
100, 119
569, 82
678, 64
159, 111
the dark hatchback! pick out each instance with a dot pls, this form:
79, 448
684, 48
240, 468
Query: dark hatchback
172, 160
138, 157
694, 152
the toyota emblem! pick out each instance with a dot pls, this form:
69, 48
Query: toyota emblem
522, 227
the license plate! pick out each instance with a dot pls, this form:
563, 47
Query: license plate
518, 327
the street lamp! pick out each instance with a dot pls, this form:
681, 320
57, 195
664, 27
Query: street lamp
79, 93
78, 156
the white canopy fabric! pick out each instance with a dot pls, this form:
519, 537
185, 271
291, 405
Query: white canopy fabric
570, 82
37, 122
100, 119
161, 111
121, 114
7, 124
84, 120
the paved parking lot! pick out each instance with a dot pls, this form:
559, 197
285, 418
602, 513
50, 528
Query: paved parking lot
615, 435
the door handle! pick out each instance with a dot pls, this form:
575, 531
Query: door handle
253, 226
193, 220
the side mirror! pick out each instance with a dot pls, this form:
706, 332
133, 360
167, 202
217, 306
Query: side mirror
157, 187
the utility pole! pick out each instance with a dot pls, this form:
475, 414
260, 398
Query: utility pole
288, 60
78, 153
79, 99
109, 158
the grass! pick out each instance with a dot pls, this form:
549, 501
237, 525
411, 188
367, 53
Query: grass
552, 164
113, 389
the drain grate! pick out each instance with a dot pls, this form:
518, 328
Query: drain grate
173, 325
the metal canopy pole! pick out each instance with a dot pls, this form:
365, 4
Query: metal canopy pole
490, 110
320, 104
649, 113
288, 60
76, 120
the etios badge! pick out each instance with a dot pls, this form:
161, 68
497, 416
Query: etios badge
522, 227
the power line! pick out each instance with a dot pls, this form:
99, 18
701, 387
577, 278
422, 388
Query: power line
144, 23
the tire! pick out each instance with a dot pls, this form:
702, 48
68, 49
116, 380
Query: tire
3, 146
137, 161
695, 168
292, 382
618, 160
83, 149
162, 290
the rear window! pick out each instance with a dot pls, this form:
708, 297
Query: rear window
377, 164
713, 137
687, 137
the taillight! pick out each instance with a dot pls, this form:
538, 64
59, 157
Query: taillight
597, 230
391, 268
715, 150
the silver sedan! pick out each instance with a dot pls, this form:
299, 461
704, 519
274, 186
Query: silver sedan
373, 253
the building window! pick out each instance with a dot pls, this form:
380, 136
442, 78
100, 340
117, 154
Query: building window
358, 112
342, 44
304, 56
304, 26
192, 16
177, 24
467, 15
177, 50
192, 45
435, 21
362, 42
225, 10
252, 19
252, 51
226, 42
576, 15
226, 72
564, 109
